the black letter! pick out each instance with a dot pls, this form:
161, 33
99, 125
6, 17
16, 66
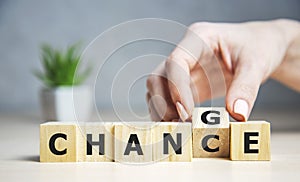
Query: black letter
176, 147
133, 139
247, 142
89, 144
52, 144
205, 141
216, 120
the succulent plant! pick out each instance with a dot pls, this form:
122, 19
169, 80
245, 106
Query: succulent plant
60, 68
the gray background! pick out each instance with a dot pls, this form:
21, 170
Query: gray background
24, 25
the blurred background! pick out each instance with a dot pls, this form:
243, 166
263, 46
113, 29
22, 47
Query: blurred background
24, 25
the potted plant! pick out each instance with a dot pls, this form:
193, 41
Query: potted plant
63, 97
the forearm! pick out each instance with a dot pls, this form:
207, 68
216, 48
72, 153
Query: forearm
288, 72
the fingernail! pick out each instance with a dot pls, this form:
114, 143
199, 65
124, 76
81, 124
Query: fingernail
181, 111
241, 108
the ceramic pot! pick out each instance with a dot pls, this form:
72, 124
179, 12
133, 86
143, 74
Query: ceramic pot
66, 103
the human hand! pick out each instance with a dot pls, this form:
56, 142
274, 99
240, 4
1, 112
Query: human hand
217, 59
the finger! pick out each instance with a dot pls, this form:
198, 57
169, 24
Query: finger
178, 68
243, 90
153, 114
160, 97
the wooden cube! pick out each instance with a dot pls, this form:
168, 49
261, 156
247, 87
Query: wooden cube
172, 142
95, 142
211, 142
250, 140
58, 142
210, 132
133, 142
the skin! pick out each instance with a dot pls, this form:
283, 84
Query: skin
222, 59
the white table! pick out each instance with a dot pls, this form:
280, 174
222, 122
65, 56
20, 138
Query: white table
19, 156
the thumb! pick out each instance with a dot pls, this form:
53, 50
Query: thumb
243, 90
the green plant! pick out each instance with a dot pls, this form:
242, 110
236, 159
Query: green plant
60, 68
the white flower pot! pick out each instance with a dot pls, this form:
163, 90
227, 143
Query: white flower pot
66, 103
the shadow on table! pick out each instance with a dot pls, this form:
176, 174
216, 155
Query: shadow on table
33, 158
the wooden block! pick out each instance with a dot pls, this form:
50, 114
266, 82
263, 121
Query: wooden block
133, 142
95, 142
58, 142
210, 142
250, 140
172, 141
210, 132
210, 117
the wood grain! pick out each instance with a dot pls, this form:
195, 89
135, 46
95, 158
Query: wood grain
220, 145
175, 129
237, 143
106, 129
68, 144
123, 131
210, 132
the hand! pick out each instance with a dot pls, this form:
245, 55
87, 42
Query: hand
217, 59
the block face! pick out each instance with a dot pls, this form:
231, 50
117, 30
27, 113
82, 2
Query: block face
169, 138
210, 142
133, 142
210, 117
250, 140
58, 142
101, 145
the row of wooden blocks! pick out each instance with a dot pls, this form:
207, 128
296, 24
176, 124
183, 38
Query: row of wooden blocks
209, 135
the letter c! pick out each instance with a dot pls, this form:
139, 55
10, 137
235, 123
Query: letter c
52, 144
205, 141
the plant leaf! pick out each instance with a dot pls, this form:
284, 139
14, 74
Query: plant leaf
60, 68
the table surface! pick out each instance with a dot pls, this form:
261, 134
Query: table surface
19, 161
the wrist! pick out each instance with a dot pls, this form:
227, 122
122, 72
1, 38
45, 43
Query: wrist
289, 30
288, 71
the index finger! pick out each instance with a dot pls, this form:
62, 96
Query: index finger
178, 67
